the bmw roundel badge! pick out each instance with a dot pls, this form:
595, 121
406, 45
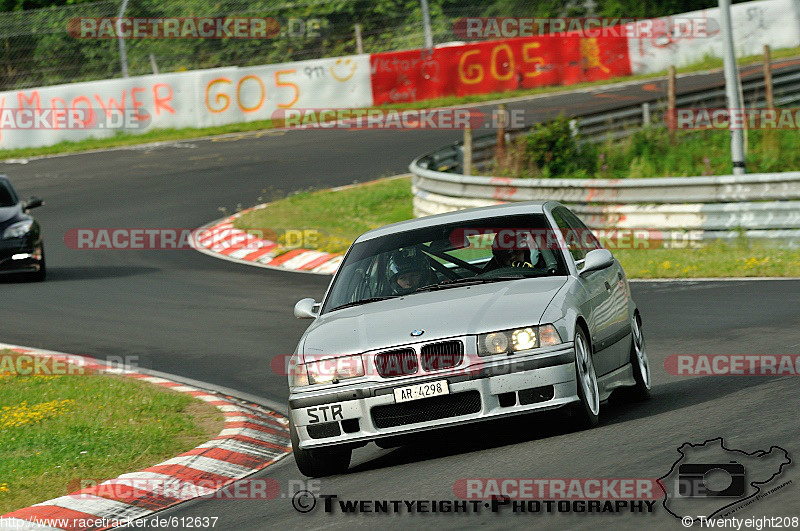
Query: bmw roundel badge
418, 332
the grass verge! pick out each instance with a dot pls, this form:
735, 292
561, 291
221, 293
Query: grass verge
161, 135
58, 429
649, 153
343, 215
738, 258
338, 216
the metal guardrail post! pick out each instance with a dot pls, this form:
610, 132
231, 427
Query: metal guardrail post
573, 128
359, 43
768, 92
500, 150
153, 64
467, 164
123, 52
671, 103
735, 101
426, 25
646, 114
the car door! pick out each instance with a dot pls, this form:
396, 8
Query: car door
600, 311
618, 316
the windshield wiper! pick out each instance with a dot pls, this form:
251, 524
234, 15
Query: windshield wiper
468, 282
363, 301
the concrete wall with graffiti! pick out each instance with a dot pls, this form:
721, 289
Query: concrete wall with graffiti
232, 95
773, 22
528, 62
496, 66
199, 98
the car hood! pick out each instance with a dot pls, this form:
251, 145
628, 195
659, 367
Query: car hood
445, 313
10, 214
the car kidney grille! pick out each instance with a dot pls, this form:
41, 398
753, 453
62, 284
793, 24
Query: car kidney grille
396, 362
443, 355
426, 409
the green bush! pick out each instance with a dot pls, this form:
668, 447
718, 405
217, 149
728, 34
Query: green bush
552, 150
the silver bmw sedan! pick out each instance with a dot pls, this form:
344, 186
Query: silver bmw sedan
459, 318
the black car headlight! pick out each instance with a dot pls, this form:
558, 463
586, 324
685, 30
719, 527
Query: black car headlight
18, 229
517, 339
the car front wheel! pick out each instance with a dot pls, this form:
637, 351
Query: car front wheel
640, 362
587, 410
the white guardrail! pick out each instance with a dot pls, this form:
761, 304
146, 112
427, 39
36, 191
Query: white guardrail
765, 205
626, 119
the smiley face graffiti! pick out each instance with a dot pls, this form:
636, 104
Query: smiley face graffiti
343, 65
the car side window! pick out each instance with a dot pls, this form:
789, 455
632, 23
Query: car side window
588, 241
7, 197
574, 233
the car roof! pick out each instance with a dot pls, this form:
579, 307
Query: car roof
458, 216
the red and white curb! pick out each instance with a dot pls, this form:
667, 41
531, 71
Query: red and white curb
253, 438
222, 240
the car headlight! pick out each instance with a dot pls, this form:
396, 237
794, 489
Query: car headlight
18, 229
331, 370
509, 341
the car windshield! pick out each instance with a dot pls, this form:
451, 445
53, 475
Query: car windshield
446, 256
7, 195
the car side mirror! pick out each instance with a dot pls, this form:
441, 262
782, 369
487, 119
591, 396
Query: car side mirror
596, 260
306, 309
33, 202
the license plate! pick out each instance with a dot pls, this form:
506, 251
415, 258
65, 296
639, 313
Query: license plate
424, 390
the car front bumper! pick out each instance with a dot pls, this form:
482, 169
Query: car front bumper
512, 385
18, 256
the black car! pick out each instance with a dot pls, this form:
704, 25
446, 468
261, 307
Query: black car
21, 246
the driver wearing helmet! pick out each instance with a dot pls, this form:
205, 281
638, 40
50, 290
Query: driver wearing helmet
408, 270
519, 255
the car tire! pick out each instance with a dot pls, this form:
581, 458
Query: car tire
319, 462
585, 412
39, 276
640, 363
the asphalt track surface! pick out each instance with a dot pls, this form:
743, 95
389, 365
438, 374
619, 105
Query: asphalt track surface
186, 313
